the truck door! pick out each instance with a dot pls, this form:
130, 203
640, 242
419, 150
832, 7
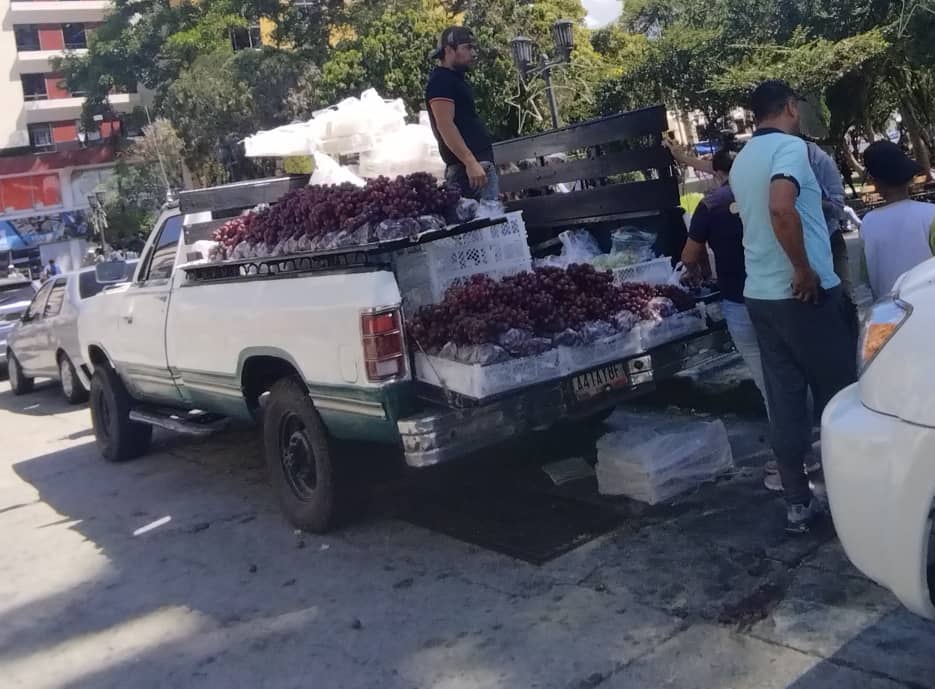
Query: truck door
142, 355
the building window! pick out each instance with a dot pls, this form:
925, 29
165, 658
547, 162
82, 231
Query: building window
40, 137
75, 36
87, 136
247, 38
27, 37
34, 87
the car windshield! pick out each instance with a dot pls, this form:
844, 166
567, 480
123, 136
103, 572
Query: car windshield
15, 292
88, 285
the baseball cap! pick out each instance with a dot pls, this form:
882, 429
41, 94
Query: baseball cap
887, 163
771, 96
453, 36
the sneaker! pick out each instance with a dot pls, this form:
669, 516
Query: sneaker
816, 483
800, 517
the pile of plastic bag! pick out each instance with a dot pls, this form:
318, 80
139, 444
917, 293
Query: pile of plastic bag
370, 126
653, 465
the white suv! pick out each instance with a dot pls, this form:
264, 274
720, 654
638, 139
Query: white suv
878, 445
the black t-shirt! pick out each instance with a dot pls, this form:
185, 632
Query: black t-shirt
450, 85
717, 223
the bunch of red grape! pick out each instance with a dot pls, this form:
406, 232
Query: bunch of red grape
233, 232
318, 210
545, 302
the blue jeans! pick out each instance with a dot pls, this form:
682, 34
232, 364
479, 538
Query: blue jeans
742, 333
456, 174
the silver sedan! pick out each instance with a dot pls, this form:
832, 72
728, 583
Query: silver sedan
44, 344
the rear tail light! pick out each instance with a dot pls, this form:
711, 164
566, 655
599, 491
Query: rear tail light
885, 318
384, 349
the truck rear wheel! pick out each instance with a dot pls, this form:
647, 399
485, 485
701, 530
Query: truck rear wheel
308, 483
118, 438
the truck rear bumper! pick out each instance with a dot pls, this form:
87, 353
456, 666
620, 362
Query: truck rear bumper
447, 434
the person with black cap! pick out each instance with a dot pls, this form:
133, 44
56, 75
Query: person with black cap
901, 234
806, 332
463, 140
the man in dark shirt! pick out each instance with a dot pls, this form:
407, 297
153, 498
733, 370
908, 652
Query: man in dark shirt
716, 223
463, 140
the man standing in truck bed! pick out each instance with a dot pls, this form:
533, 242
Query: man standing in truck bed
463, 140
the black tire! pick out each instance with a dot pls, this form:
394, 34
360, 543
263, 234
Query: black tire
19, 383
311, 488
118, 438
72, 387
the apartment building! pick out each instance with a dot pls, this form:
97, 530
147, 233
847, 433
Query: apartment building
48, 164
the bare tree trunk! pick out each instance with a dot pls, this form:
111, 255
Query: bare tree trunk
855, 164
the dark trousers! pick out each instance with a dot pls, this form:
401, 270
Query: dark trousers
802, 347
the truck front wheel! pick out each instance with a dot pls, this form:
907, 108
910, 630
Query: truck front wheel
118, 438
299, 459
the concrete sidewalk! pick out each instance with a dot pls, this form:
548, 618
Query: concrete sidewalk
703, 594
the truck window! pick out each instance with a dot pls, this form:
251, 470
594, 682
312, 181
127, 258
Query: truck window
164, 250
56, 297
38, 304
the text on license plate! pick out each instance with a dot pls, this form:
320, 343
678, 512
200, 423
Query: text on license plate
599, 380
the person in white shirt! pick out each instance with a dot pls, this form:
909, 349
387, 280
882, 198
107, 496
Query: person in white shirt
901, 234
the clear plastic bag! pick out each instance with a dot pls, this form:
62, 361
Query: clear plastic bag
633, 244
596, 330
327, 171
578, 246
567, 338
523, 343
626, 321
654, 465
485, 354
659, 308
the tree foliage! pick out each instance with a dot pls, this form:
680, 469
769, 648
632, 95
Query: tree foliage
864, 60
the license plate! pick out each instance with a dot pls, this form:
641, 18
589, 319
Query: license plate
600, 380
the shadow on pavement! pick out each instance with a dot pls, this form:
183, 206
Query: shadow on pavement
45, 400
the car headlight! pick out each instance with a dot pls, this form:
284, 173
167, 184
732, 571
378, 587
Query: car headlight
884, 319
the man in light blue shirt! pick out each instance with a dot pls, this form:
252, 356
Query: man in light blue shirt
807, 337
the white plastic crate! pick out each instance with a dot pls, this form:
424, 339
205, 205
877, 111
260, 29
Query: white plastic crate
655, 333
654, 272
603, 351
479, 382
424, 272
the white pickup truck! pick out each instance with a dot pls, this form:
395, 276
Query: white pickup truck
314, 349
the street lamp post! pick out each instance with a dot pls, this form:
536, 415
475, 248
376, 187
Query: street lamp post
523, 51
99, 216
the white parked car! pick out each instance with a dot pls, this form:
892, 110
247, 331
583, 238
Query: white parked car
44, 342
16, 293
878, 445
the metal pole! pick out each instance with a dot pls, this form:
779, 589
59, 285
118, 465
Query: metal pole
553, 105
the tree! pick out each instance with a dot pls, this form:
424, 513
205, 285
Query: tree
142, 176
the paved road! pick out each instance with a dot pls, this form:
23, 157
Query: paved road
222, 594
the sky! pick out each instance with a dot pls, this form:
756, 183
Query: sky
601, 12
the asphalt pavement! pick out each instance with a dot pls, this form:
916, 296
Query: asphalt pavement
177, 570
